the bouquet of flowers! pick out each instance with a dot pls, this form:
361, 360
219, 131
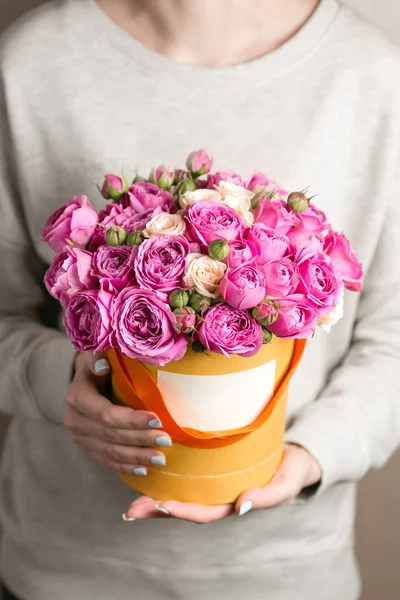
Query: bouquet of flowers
188, 265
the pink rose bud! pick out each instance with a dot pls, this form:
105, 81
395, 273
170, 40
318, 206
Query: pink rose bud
298, 202
115, 235
185, 319
267, 335
178, 298
266, 313
199, 163
135, 238
114, 187
199, 302
219, 249
162, 177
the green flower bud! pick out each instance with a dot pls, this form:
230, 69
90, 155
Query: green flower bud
135, 238
267, 336
139, 179
162, 177
185, 319
198, 347
298, 202
186, 185
219, 249
199, 302
115, 235
178, 298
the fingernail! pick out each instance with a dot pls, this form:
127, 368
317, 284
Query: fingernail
155, 424
163, 441
125, 518
158, 460
140, 471
162, 510
245, 508
100, 365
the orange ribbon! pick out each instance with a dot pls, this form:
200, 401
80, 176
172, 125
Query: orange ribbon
139, 390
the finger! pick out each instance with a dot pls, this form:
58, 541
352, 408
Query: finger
195, 513
85, 399
142, 508
140, 421
286, 485
121, 468
119, 454
98, 364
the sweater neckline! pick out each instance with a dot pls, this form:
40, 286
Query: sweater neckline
269, 66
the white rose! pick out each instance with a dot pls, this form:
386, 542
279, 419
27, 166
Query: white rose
238, 198
328, 321
190, 198
204, 274
165, 224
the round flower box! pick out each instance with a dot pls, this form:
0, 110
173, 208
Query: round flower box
226, 417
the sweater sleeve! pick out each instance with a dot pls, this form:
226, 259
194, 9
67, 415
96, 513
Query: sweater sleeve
355, 423
36, 361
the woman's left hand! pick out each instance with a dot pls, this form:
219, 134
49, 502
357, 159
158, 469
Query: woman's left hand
298, 470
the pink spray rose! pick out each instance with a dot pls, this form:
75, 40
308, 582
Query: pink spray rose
297, 318
258, 182
306, 238
241, 251
139, 221
243, 287
281, 277
160, 262
111, 215
199, 163
88, 320
145, 327
314, 219
142, 196
112, 208
126, 218
319, 281
69, 273
270, 244
345, 260
207, 221
73, 223
227, 330
228, 176
276, 214
115, 263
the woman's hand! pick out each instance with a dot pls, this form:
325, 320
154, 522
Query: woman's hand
116, 436
298, 470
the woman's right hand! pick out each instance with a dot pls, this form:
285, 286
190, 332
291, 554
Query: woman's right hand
119, 437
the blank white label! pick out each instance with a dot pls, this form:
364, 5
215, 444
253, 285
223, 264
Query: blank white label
218, 402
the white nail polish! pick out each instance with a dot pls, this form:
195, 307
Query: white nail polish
125, 518
245, 508
163, 510
101, 365
140, 471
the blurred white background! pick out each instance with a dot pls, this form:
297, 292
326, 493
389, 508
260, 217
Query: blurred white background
378, 523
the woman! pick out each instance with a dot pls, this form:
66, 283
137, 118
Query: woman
299, 89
